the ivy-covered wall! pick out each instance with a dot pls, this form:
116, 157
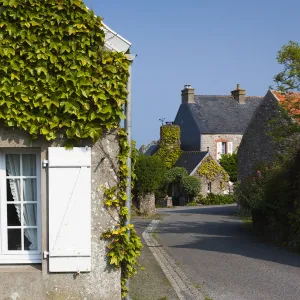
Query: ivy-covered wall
211, 172
60, 84
169, 144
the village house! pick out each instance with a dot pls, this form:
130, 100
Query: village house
53, 213
213, 122
192, 161
258, 144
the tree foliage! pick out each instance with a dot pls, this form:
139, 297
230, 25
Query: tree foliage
56, 76
229, 163
289, 79
150, 171
175, 175
191, 186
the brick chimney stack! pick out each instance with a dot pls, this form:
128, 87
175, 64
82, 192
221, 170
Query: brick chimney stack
239, 94
188, 94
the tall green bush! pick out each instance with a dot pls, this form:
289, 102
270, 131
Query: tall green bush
150, 171
229, 163
191, 186
175, 175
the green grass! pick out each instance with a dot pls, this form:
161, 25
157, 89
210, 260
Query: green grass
154, 235
163, 298
197, 286
207, 298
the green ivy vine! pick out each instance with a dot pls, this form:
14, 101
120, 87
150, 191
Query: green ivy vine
169, 145
57, 78
211, 170
124, 243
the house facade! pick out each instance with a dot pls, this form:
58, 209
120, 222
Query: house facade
258, 145
213, 122
52, 214
193, 161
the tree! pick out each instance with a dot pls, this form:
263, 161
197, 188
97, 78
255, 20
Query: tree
229, 163
175, 175
289, 79
150, 171
191, 186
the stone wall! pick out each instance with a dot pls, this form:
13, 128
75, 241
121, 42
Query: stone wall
146, 204
257, 145
34, 282
215, 185
210, 140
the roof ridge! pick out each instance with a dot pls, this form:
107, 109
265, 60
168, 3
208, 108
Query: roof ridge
227, 96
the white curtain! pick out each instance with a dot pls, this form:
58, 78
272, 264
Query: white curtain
29, 194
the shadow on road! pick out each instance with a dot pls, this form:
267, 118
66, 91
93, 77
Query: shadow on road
225, 235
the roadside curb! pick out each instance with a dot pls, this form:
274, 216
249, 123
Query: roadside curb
179, 281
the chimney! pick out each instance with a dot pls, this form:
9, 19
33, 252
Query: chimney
188, 94
239, 94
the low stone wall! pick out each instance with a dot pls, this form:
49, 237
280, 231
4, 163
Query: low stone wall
146, 204
164, 202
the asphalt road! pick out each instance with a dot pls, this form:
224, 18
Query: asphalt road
223, 258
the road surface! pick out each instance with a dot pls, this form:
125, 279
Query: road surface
223, 259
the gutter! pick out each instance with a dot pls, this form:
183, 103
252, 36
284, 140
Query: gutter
128, 129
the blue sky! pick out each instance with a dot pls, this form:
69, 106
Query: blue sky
212, 45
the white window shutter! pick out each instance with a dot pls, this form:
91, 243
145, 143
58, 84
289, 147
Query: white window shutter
219, 150
229, 147
69, 209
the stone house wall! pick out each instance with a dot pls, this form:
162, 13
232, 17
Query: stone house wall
257, 145
215, 185
34, 282
211, 140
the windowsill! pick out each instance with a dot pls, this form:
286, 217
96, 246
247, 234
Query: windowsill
20, 268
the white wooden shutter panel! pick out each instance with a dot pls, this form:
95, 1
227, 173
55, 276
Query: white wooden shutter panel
69, 209
219, 150
229, 147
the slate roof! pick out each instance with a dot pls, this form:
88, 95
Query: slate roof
190, 160
223, 114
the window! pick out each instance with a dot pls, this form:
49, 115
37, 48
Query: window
224, 148
209, 187
20, 232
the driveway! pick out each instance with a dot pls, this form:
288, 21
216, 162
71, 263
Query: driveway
223, 259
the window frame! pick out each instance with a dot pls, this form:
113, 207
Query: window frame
19, 256
209, 187
225, 148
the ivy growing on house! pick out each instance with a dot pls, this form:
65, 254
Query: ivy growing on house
169, 144
56, 75
57, 78
211, 170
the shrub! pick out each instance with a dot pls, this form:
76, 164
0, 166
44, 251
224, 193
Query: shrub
150, 171
175, 175
191, 186
273, 198
229, 163
217, 199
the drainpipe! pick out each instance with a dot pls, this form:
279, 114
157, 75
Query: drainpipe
128, 129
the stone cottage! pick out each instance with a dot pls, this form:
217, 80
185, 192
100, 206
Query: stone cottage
214, 122
53, 214
194, 162
258, 145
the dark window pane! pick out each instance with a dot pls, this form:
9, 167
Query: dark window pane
29, 213
13, 215
29, 164
14, 239
13, 164
13, 189
29, 190
30, 239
